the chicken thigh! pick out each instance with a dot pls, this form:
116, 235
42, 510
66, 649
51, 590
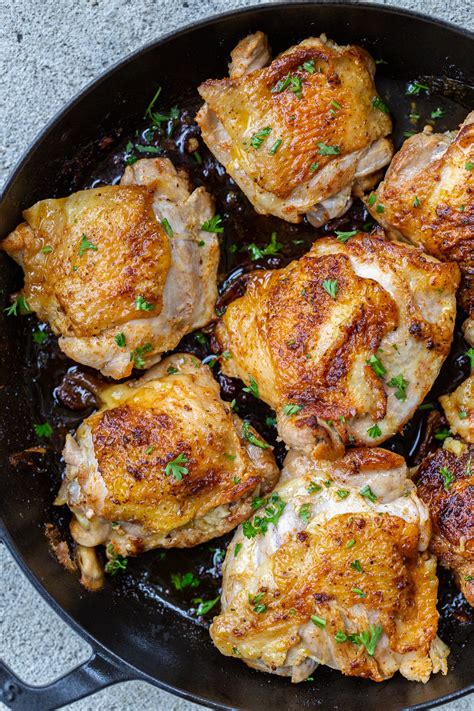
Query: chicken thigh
164, 463
345, 342
445, 483
427, 198
333, 570
121, 273
302, 135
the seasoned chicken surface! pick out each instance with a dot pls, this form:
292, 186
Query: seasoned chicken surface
121, 273
164, 463
459, 410
333, 569
345, 342
301, 135
427, 198
445, 484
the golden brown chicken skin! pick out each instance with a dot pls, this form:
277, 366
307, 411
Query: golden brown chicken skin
339, 575
102, 270
345, 342
445, 483
164, 463
300, 135
427, 198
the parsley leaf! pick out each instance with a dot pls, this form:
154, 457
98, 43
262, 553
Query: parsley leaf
175, 469
377, 103
443, 434
313, 487
85, 245
184, 580
273, 508
377, 366
414, 88
275, 147
258, 138
137, 355
237, 548
367, 492
253, 388
213, 225
330, 285
292, 409
355, 565
325, 150
19, 307
399, 382
204, 605
447, 476
344, 236
120, 340
116, 562
437, 113
318, 621
305, 512
39, 336
272, 248
141, 304
167, 227
44, 430
251, 437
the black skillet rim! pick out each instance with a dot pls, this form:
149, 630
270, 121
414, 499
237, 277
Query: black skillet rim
5, 537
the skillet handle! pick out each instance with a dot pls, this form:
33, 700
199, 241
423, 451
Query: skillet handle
98, 672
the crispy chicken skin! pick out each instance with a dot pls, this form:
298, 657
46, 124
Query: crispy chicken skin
298, 136
445, 483
428, 199
336, 578
117, 483
87, 259
351, 366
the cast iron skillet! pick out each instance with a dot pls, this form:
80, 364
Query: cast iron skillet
136, 628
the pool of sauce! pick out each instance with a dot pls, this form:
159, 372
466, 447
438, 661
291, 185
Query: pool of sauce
67, 392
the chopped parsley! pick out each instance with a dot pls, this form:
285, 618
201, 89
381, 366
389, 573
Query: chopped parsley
377, 366
253, 388
181, 581
47, 249
447, 476
213, 225
355, 565
141, 304
470, 354
256, 600
399, 382
120, 340
351, 543
330, 285
462, 414
270, 421
358, 592
379, 208
343, 493
368, 638
377, 103
204, 606
313, 488
367, 493
344, 236
258, 138
147, 149
305, 513
309, 66
437, 113
443, 434
85, 244
340, 637
44, 430
272, 248
171, 370
416, 202
275, 147
116, 563
415, 88
175, 467
469, 165
167, 227
371, 199
426, 406
149, 450
272, 509
313, 167
292, 409
237, 548
318, 621
251, 437
137, 355
19, 307
39, 336
325, 150
374, 431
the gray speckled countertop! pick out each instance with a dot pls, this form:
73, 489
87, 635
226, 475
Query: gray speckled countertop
49, 49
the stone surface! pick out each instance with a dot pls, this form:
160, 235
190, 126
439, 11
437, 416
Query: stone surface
49, 49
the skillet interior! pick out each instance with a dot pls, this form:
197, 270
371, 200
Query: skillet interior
135, 617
